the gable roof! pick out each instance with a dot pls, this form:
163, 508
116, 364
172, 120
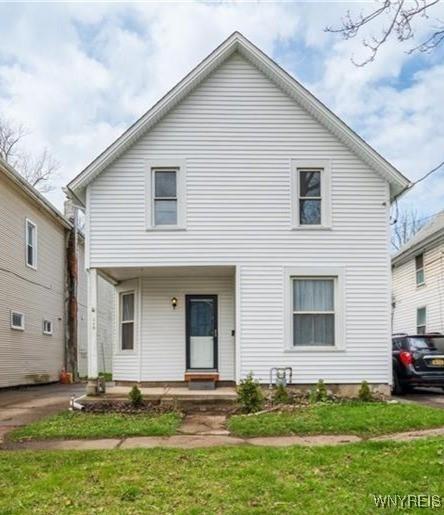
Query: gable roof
237, 42
428, 235
33, 194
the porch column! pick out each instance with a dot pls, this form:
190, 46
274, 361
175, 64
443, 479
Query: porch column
93, 370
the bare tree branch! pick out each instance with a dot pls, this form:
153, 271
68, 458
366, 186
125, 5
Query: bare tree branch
402, 15
38, 169
407, 224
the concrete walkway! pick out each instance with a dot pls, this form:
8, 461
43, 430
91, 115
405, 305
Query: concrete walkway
23, 405
204, 441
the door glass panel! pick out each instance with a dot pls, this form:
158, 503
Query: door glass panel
202, 325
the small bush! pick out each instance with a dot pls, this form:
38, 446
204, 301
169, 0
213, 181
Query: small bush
135, 396
319, 392
280, 395
250, 396
365, 394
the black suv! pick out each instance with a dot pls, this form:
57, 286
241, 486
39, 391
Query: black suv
418, 360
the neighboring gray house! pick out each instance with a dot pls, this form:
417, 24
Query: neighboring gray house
245, 227
34, 326
418, 281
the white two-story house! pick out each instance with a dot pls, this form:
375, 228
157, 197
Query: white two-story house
245, 227
418, 277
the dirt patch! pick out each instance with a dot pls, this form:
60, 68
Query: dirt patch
204, 424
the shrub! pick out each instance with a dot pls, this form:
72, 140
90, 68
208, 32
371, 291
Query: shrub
280, 395
365, 394
135, 396
319, 392
250, 396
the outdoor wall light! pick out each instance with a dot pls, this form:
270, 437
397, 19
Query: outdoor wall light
174, 302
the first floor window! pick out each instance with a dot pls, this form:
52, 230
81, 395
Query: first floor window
31, 244
47, 327
17, 320
165, 197
127, 321
313, 311
421, 320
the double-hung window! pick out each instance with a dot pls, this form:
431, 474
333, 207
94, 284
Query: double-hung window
17, 321
31, 244
310, 193
47, 327
165, 197
421, 320
165, 194
314, 311
127, 310
419, 267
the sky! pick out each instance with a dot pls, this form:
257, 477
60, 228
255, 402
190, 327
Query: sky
78, 74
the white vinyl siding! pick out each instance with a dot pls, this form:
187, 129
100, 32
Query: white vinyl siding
407, 297
240, 135
31, 244
29, 356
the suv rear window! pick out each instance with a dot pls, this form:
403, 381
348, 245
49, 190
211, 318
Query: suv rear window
426, 343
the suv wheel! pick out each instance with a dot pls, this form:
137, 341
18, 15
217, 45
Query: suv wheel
397, 388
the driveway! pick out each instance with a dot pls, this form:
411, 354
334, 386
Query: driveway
429, 396
20, 406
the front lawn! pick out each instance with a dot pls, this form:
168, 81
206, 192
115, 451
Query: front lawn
73, 424
221, 480
362, 419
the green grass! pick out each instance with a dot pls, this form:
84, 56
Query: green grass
70, 424
363, 419
233, 480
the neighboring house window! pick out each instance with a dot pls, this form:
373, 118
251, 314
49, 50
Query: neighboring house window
31, 244
127, 321
419, 265
165, 197
313, 311
17, 321
310, 194
47, 327
421, 320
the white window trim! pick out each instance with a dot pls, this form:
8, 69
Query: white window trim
130, 286
324, 166
425, 322
49, 333
17, 327
338, 273
34, 247
419, 269
167, 164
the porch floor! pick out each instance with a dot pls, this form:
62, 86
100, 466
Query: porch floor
227, 393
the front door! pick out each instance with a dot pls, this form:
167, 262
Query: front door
201, 332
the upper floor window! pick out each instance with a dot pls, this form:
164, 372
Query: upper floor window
31, 244
165, 191
421, 320
165, 197
47, 327
419, 266
310, 195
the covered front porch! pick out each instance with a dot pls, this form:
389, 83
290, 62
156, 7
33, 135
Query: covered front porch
175, 326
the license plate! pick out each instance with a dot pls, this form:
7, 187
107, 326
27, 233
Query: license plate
437, 362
